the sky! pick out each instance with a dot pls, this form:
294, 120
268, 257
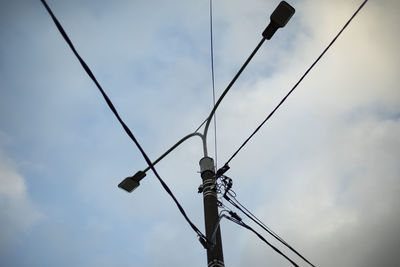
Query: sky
323, 173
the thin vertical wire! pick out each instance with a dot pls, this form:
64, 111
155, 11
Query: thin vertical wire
213, 84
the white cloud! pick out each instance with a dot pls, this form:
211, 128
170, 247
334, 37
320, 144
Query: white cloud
322, 172
340, 208
17, 212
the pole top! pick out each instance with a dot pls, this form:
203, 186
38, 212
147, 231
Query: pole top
206, 164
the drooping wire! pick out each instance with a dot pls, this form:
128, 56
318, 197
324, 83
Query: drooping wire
251, 216
232, 199
241, 223
213, 83
225, 183
126, 128
236, 219
295, 86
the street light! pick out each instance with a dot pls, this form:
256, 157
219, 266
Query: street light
279, 18
131, 183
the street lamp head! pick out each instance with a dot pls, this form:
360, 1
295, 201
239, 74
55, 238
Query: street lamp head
282, 14
131, 183
279, 18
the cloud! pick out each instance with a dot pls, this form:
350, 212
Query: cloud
329, 177
322, 172
340, 207
17, 212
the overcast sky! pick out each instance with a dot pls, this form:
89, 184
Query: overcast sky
323, 172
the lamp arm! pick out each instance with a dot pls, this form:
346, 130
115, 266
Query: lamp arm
229, 87
176, 145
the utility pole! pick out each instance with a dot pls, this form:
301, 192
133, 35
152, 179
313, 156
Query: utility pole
211, 217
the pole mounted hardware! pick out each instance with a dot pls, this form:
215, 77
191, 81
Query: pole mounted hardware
222, 170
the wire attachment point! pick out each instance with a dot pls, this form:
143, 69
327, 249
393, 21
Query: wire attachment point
200, 189
222, 170
235, 216
205, 242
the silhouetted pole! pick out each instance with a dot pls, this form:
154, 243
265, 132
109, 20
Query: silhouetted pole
211, 216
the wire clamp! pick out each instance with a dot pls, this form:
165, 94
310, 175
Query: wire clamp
222, 170
205, 242
235, 216
200, 189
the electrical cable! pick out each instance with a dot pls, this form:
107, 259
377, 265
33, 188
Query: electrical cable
198, 128
241, 223
245, 211
294, 87
236, 219
213, 83
202, 237
226, 182
250, 215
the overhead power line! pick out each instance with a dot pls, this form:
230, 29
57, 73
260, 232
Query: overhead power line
232, 199
295, 86
238, 221
202, 237
226, 183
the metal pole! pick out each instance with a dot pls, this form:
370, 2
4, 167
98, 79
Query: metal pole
211, 217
